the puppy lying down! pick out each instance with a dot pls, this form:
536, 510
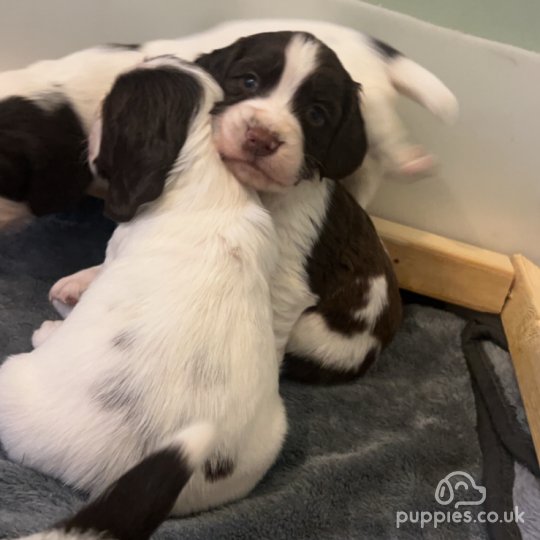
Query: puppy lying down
174, 338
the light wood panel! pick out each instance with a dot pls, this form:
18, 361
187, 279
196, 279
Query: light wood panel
452, 271
521, 320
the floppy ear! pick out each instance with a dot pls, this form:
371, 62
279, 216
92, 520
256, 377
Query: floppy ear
349, 144
145, 121
217, 62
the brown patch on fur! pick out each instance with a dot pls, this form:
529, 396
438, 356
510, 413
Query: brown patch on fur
346, 257
218, 468
347, 254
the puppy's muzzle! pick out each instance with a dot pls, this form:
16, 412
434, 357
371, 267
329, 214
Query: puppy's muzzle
260, 142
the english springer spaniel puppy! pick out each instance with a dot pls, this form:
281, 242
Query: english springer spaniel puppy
46, 111
174, 338
134, 506
290, 115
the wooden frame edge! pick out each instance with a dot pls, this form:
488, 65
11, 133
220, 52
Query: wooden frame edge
521, 321
445, 269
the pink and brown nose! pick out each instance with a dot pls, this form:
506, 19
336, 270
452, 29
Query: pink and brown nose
260, 142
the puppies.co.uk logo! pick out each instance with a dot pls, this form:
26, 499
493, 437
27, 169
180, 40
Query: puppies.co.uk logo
458, 488
452, 483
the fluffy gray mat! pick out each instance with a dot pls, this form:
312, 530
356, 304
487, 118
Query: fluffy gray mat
355, 454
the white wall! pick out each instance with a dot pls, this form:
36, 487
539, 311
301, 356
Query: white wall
488, 189
509, 21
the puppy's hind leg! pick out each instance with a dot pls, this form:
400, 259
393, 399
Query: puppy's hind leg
317, 354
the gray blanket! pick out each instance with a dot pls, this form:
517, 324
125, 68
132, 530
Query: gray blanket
355, 454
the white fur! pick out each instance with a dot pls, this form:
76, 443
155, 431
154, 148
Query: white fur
300, 61
377, 300
196, 442
297, 216
175, 330
311, 337
83, 77
425, 89
44, 332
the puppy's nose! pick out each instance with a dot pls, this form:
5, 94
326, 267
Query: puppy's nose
260, 142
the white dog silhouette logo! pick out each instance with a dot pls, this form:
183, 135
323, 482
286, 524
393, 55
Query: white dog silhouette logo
448, 486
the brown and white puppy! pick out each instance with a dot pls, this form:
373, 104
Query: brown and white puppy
291, 115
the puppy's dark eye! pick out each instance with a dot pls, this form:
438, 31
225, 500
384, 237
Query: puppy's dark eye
316, 116
250, 82
242, 85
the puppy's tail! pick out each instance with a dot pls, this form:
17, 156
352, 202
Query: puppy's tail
136, 504
417, 83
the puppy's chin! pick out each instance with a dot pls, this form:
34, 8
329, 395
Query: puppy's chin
250, 175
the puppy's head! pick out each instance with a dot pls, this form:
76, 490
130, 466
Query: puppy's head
145, 121
290, 111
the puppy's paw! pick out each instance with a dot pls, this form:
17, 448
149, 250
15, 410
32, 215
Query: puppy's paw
414, 162
68, 290
44, 332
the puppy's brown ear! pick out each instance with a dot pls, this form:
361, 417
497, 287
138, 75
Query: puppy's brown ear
218, 62
145, 121
349, 145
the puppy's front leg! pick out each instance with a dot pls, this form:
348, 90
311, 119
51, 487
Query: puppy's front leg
66, 292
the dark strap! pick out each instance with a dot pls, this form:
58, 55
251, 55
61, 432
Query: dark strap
497, 474
502, 414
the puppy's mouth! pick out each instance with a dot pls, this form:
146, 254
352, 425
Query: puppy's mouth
250, 172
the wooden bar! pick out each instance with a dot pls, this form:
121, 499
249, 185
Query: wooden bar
445, 269
521, 321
